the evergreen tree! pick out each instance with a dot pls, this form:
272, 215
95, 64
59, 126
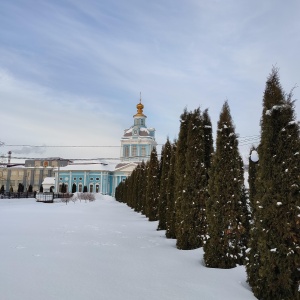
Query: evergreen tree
141, 187
253, 165
30, 189
208, 152
170, 209
153, 187
20, 188
208, 140
276, 233
118, 192
41, 188
137, 188
194, 186
129, 189
180, 167
144, 190
85, 189
165, 158
125, 186
225, 213
252, 259
2, 189
246, 215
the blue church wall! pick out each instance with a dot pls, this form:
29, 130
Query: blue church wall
96, 181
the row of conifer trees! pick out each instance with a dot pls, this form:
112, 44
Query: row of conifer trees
197, 194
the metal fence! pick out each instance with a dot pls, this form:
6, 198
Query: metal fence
43, 197
8, 195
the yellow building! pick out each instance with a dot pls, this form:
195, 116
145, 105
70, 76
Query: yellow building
32, 172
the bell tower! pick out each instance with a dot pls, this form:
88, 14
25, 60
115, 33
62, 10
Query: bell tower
138, 141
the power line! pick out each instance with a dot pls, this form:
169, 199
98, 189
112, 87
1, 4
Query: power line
60, 146
241, 139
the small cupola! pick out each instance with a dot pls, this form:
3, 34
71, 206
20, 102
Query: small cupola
140, 108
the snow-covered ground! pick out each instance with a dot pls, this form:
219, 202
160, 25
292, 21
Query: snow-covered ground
100, 250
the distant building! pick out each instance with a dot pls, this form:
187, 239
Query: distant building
97, 176
104, 176
138, 141
32, 172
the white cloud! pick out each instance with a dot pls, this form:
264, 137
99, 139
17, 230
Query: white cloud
74, 72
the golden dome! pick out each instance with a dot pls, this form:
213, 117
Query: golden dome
140, 108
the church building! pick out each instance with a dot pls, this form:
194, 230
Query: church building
103, 177
138, 141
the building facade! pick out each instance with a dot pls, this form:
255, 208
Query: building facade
97, 176
32, 172
138, 141
103, 177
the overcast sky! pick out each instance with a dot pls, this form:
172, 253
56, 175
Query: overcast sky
71, 71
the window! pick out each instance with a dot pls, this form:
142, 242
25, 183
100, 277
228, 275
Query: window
60, 178
98, 178
97, 188
91, 188
142, 122
91, 178
74, 178
143, 150
80, 188
80, 178
126, 151
134, 154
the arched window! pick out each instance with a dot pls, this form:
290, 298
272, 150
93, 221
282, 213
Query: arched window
91, 188
97, 188
126, 151
134, 154
143, 151
80, 188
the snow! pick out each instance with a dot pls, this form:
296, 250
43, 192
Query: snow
101, 250
254, 156
129, 130
144, 129
89, 167
49, 180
